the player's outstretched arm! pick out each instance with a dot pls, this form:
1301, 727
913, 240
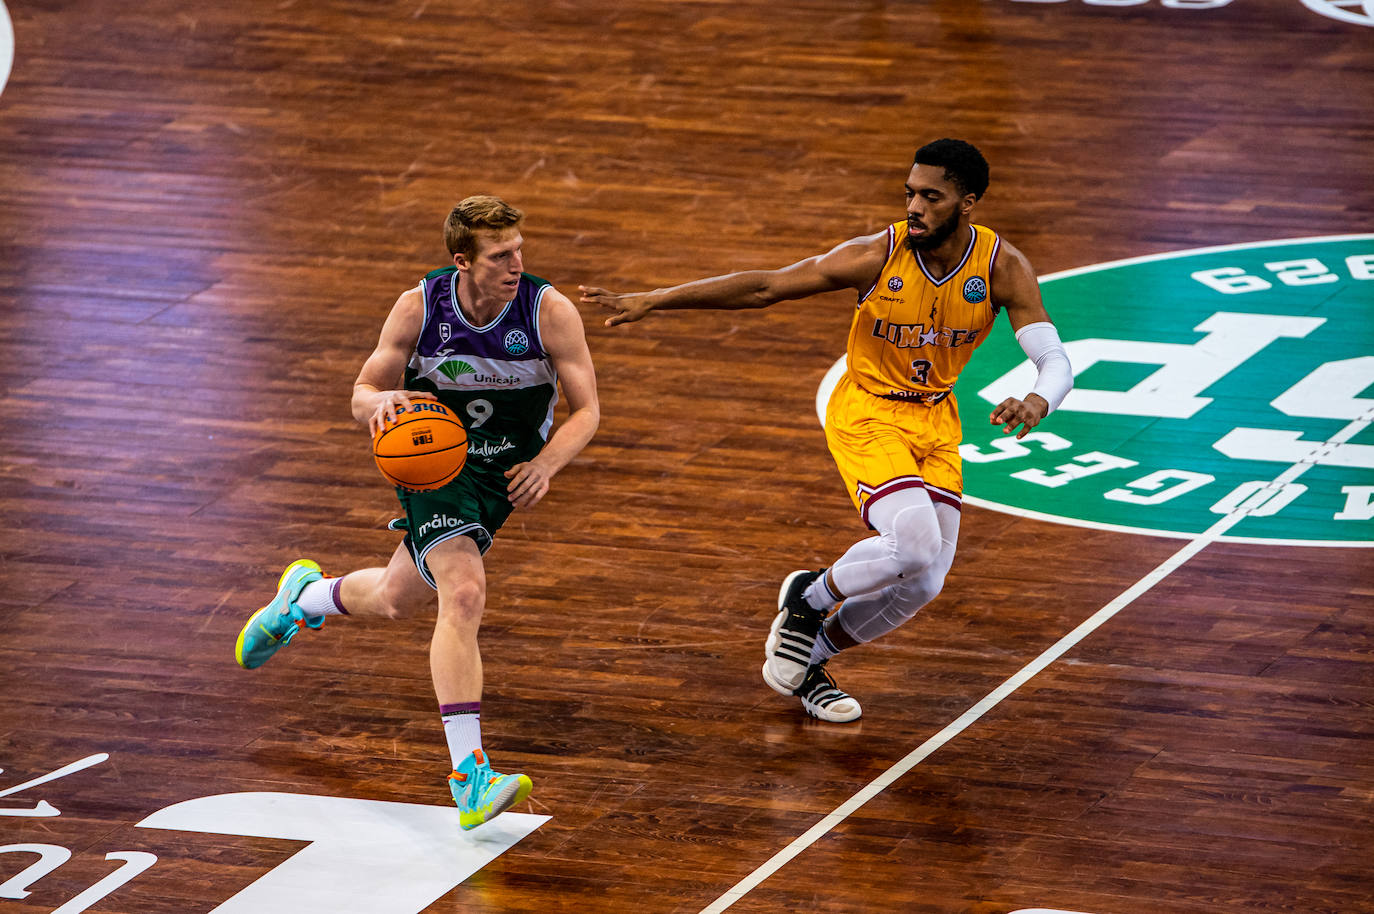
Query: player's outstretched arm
560, 329
376, 396
853, 264
1016, 289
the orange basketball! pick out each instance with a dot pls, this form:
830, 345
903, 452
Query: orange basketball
423, 449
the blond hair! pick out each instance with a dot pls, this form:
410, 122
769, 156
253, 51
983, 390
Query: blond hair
479, 213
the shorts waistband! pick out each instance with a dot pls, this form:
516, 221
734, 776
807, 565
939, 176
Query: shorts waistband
917, 396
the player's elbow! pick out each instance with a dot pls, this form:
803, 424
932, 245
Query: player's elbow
764, 289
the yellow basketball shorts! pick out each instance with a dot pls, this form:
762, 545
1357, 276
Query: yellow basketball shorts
883, 446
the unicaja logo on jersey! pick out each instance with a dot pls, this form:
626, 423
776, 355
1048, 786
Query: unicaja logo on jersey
455, 367
895, 284
975, 290
517, 343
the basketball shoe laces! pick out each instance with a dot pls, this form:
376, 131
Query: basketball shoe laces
474, 785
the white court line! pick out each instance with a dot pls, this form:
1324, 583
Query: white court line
993, 698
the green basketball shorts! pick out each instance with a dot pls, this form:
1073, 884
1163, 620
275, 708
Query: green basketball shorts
474, 505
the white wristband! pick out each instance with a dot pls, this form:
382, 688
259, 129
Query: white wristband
1054, 378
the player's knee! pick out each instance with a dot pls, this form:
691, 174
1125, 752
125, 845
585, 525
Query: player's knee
923, 588
462, 600
909, 596
917, 537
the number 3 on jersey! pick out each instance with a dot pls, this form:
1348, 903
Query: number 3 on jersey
919, 369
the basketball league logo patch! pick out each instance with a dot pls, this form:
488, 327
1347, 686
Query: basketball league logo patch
895, 284
975, 290
517, 343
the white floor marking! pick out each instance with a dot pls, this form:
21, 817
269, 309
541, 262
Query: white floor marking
1055, 651
135, 862
364, 856
44, 808
6, 45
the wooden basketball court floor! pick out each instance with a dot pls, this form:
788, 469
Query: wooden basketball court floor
206, 211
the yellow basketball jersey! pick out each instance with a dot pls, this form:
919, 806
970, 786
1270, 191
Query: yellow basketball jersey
913, 334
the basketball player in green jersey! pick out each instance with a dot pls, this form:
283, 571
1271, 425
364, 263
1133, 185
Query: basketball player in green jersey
492, 343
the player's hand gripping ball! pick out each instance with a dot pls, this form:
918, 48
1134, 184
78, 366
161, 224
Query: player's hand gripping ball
423, 449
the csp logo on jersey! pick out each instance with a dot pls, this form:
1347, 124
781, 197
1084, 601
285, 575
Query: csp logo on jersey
975, 290
895, 284
517, 343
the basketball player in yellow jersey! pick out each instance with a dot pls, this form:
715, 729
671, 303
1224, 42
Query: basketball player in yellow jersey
930, 288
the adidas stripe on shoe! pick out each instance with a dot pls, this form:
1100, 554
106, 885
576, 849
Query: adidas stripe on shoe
792, 634
822, 699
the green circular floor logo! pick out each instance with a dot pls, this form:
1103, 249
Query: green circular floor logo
1206, 381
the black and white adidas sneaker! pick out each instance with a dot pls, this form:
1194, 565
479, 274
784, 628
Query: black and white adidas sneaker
824, 700
792, 634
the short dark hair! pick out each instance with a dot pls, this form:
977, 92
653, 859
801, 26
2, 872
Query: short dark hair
964, 165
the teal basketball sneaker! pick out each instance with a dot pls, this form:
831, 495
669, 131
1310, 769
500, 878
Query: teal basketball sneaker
482, 794
277, 622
